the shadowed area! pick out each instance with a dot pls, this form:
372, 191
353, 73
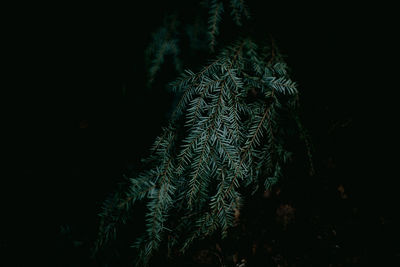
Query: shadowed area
81, 117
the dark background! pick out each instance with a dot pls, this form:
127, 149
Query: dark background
77, 115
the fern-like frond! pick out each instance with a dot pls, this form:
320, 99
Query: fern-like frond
164, 42
215, 11
282, 85
224, 134
239, 10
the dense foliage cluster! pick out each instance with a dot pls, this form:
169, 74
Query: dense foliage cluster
225, 139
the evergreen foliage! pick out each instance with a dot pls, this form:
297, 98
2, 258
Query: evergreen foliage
202, 36
214, 18
164, 42
225, 138
239, 10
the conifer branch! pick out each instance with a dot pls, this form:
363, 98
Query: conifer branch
223, 135
239, 9
215, 16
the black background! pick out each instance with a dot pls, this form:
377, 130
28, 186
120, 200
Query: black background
77, 115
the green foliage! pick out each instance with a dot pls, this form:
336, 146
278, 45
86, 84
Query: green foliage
164, 42
202, 36
214, 18
239, 10
224, 135
225, 138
